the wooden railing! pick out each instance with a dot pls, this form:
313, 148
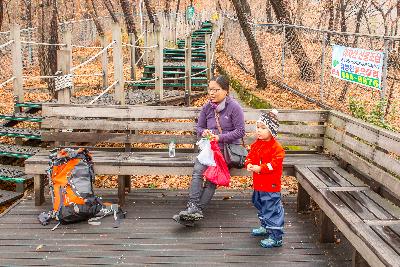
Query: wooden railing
371, 151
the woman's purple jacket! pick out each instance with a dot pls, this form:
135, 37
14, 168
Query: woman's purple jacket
231, 120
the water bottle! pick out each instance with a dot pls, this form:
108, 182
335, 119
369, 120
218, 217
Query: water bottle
171, 149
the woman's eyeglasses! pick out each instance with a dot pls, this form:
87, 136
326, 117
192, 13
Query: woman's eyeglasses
212, 90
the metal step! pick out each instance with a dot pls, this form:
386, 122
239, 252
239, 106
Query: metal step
172, 73
20, 117
13, 174
20, 132
175, 79
167, 85
180, 67
28, 105
15, 151
8, 196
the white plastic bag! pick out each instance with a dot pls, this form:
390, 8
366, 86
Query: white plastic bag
206, 155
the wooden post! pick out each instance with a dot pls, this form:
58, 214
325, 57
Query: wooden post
132, 41
188, 69
303, 199
64, 64
208, 56
67, 37
326, 229
159, 65
104, 62
17, 63
118, 64
38, 189
121, 190
146, 42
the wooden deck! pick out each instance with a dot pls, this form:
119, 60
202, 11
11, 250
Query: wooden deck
149, 236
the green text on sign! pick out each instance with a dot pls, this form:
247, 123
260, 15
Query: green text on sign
355, 78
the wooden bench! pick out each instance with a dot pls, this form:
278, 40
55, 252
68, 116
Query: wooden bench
114, 132
366, 219
370, 222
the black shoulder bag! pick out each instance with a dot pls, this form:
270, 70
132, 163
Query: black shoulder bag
234, 154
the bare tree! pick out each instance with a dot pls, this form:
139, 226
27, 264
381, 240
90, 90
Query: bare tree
1, 13
360, 14
307, 72
244, 14
167, 7
150, 12
93, 14
110, 10
178, 3
130, 22
48, 33
28, 13
268, 10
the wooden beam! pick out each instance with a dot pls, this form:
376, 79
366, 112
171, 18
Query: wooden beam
118, 64
188, 69
104, 62
17, 61
303, 199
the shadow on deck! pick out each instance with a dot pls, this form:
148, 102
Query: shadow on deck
149, 236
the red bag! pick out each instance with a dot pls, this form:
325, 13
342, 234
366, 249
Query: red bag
218, 174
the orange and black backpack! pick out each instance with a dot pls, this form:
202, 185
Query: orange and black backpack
71, 178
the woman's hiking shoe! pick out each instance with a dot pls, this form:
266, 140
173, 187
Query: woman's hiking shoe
178, 219
192, 213
271, 243
261, 231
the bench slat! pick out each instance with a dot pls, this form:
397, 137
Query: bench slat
144, 112
392, 238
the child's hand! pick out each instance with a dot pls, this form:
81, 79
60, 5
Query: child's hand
249, 167
253, 168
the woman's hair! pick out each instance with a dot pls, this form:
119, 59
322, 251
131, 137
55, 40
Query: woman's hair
222, 81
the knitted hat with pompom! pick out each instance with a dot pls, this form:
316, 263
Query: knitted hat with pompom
271, 121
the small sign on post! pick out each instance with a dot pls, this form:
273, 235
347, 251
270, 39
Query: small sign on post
63, 82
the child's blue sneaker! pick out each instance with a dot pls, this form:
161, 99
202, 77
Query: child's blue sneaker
261, 231
271, 243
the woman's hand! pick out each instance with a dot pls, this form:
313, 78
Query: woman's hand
214, 137
207, 133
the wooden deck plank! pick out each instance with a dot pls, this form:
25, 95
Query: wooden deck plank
149, 236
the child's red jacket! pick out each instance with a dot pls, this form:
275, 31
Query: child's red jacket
269, 155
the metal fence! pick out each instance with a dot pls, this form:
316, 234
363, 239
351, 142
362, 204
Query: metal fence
277, 51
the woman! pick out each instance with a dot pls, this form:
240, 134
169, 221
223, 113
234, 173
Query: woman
231, 119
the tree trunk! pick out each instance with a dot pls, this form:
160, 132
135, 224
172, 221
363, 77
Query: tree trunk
130, 23
28, 5
331, 8
1, 13
110, 9
343, 25
48, 33
93, 14
358, 22
244, 13
177, 9
307, 73
150, 12
268, 11
167, 7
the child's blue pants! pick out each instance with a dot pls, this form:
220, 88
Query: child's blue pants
270, 211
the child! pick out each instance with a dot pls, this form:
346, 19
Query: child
265, 161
